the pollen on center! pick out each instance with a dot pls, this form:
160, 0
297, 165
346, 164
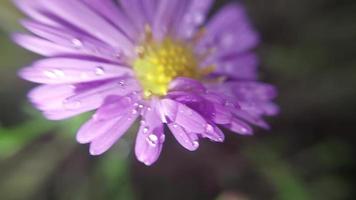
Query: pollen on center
158, 63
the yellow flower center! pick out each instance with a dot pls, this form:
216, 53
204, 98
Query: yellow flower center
158, 63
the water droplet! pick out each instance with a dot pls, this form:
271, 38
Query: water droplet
143, 122
152, 140
122, 83
195, 143
59, 73
140, 106
99, 70
175, 125
244, 130
220, 139
50, 74
118, 54
145, 129
209, 128
134, 111
56, 73
77, 43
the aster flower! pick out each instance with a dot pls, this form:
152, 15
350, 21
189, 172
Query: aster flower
157, 61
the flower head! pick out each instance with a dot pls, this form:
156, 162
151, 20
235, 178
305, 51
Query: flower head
154, 60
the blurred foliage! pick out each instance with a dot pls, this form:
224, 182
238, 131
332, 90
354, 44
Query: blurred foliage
308, 52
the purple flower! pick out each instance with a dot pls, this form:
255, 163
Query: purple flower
153, 60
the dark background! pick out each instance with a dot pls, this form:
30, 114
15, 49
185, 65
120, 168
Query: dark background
308, 52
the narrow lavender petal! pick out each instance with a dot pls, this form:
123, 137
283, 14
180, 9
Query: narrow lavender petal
75, 41
49, 97
252, 91
184, 116
187, 139
95, 96
165, 17
187, 124
150, 7
134, 10
229, 32
32, 9
93, 129
41, 46
103, 142
194, 17
150, 137
260, 108
106, 117
63, 101
241, 67
214, 133
62, 70
250, 118
240, 127
111, 12
115, 106
78, 13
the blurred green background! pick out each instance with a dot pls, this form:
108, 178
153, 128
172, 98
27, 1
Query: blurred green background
308, 51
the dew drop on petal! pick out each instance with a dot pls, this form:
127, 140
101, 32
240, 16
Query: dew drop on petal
195, 143
99, 70
77, 43
58, 73
175, 125
152, 140
134, 111
145, 129
50, 74
122, 83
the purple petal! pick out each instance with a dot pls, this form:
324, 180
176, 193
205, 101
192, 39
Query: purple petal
63, 101
49, 97
229, 32
135, 12
111, 12
77, 42
194, 17
186, 84
32, 9
94, 128
184, 116
150, 7
41, 46
184, 122
165, 17
240, 127
103, 142
243, 67
78, 14
150, 137
72, 70
106, 117
186, 139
